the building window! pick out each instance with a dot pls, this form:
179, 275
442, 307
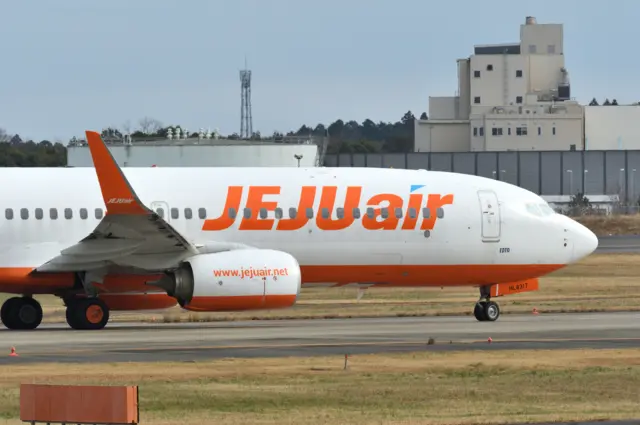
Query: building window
519, 73
476, 99
551, 49
481, 131
532, 48
476, 74
489, 67
475, 131
553, 131
509, 131
539, 131
496, 131
518, 99
521, 131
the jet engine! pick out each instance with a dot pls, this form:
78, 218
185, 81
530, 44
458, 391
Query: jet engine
245, 279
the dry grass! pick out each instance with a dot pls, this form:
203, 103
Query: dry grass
418, 388
609, 278
612, 224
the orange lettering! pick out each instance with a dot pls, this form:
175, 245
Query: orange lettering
415, 202
307, 196
234, 194
435, 202
328, 201
255, 204
388, 223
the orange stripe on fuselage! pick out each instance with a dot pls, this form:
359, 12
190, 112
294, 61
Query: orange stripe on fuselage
18, 280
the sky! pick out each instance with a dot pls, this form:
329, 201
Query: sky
73, 65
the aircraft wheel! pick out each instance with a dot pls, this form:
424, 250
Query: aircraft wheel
21, 313
491, 311
478, 312
87, 314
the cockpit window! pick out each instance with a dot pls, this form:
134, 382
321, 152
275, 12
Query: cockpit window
533, 209
546, 209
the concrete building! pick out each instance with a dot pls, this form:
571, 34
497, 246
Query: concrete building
612, 127
510, 97
195, 152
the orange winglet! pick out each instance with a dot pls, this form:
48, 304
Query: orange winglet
118, 195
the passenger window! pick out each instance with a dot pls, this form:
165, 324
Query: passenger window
247, 213
39, 214
68, 214
232, 213
24, 213
426, 213
356, 213
160, 212
202, 213
384, 212
175, 213
340, 212
278, 213
398, 212
8, 214
53, 213
371, 213
263, 213
309, 212
292, 213
325, 213
440, 213
84, 214
98, 213
413, 213
188, 214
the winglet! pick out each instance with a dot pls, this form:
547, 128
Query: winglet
118, 195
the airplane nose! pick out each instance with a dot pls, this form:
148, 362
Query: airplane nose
586, 242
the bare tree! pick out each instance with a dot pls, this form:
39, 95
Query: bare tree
4, 137
149, 125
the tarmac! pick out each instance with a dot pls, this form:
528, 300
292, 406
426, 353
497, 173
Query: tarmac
626, 244
126, 342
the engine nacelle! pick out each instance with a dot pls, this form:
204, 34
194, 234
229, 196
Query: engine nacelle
245, 279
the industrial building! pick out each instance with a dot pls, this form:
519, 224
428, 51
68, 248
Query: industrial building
288, 151
511, 97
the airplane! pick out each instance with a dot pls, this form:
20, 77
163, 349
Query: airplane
106, 239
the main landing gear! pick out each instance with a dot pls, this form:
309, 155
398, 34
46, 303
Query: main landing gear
485, 309
25, 313
21, 313
87, 313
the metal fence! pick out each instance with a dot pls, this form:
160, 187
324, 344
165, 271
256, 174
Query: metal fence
542, 172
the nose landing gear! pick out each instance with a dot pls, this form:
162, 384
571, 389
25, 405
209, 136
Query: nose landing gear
486, 310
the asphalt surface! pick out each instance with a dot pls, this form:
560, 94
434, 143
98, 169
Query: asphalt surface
618, 244
199, 341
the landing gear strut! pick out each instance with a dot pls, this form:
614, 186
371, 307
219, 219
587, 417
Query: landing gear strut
21, 313
485, 309
87, 313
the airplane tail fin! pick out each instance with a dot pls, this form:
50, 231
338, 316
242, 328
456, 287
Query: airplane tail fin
118, 195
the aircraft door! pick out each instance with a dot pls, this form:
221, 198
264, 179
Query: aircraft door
490, 210
162, 209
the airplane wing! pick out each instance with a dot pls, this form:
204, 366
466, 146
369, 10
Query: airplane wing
130, 235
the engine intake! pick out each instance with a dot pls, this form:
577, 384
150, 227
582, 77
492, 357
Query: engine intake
246, 279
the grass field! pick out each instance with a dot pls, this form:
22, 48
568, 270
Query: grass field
612, 224
606, 282
418, 388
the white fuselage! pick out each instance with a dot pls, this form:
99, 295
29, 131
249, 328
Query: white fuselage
521, 231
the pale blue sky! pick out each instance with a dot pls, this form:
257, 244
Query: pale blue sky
71, 65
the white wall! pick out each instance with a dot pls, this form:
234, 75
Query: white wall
200, 156
442, 136
612, 127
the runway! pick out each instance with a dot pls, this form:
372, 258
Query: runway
199, 341
618, 244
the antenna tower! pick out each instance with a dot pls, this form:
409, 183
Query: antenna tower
246, 120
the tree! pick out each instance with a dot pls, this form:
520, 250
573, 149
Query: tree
149, 126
